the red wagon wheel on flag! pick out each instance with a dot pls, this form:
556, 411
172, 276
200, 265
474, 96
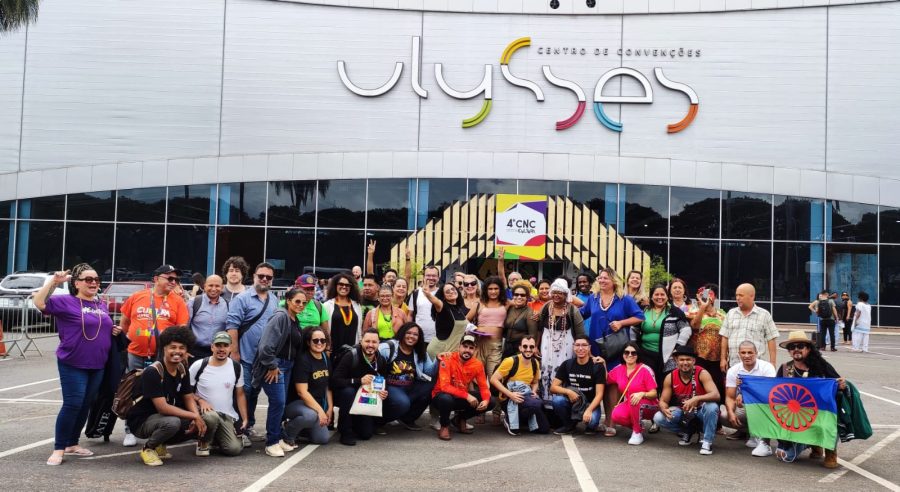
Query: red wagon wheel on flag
793, 406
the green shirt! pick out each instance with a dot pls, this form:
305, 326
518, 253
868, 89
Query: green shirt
311, 315
651, 329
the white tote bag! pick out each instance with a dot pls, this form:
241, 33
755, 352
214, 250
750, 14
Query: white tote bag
366, 402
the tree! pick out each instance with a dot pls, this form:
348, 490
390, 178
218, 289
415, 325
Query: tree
17, 13
658, 272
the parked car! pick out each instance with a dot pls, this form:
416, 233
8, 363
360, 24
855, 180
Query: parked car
15, 298
116, 293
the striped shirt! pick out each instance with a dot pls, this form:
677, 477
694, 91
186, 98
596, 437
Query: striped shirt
757, 326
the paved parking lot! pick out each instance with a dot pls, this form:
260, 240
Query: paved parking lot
487, 460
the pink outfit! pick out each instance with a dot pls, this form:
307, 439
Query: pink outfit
626, 414
494, 317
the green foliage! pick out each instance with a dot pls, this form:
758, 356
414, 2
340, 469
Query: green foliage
658, 272
16, 13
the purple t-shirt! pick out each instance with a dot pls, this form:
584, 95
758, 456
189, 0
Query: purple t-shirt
75, 348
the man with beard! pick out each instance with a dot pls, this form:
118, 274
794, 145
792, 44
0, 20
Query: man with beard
733, 414
217, 387
516, 379
420, 306
248, 315
456, 372
583, 283
689, 401
359, 366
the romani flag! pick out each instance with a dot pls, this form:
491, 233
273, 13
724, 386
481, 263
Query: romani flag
800, 410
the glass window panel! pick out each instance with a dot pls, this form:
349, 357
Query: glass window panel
191, 204
435, 195
888, 316
791, 313
339, 250
695, 213
240, 241
646, 210
890, 225
542, 187
242, 204
746, 262
290, 251
853, 222
746, 215
800, 219
45, 208
388, 204
7, 209
492, 186
139, 251
852, 268
656, 248
342, 203
696, 262
189, 248
6, 247
797, 271
97, 206
39, 246
92, 244
292, 203
384, 242
599, 197
142, 205
890, 276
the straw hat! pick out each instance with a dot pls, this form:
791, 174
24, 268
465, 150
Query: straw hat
794, 337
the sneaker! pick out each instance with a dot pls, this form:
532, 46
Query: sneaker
411, 426
654, 428
435, 423
254, 435
566, 429
512, 432
162, 452
468, 425
129, 441
461, 426
246, 440
705, 448
287, 446
275, 450
380, 431
150, 458
637, 438
684, 439
762, 450
752, 442
348, 440
590, 431
202, 449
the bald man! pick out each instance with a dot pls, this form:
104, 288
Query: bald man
207, 316
747, 322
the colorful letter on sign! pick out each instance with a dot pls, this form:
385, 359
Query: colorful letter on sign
521, 226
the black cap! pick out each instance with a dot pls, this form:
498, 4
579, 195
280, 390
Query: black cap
164, 269
684, 350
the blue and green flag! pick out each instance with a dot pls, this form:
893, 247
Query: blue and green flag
802, 410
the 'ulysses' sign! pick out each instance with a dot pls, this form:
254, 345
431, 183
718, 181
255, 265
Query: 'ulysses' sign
486, 86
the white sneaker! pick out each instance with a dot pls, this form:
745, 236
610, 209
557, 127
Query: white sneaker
245, 441
469, 426
129, 441
762, 450
286, 446
636, 438
705, 448
275, 450
752, 442
435, 423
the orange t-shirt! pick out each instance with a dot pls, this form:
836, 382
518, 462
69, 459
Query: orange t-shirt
170, 311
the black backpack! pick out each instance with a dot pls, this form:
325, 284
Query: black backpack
515, 368
823, 309
205, 362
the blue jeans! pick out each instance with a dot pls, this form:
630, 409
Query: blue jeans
562, 407
252, 396
79, 389
791, 450
406, 404
277, 395
531, 410
707, 414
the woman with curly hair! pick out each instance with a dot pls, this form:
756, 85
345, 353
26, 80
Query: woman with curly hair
343, 310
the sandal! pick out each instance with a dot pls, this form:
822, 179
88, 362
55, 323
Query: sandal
610, 431
78, 451
54, 460
781, 454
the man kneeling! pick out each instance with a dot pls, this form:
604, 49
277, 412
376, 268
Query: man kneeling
217, 386
165, 411
517, 378
456, 372
689, 400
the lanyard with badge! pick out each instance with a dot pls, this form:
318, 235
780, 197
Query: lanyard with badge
153, 332
378, 380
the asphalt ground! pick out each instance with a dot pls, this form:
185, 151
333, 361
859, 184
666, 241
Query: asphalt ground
489, 459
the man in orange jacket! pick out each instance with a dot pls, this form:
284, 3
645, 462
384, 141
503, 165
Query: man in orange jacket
455, 372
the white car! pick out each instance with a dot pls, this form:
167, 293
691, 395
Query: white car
15, 296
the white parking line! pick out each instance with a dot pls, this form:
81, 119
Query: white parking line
26, 447
39, 401
892, 389
37, 394
880, 398
871, 476
281, 469
882, 353
28, 384
862, 457
581, 471
125, 453
492, 458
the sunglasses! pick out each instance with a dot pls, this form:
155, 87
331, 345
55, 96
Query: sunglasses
317, 341
90, 280
264, 277
171, 280
528, 347
796, 346
299, 302
520, 295
470, 284
343, 284
629, 353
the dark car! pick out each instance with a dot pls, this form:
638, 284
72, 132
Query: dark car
116, 293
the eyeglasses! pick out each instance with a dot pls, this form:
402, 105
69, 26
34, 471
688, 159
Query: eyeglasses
317, 341
171, 280
518, 294
90, 280
629, 353
264, 277
470, 284
299, 302
796, 346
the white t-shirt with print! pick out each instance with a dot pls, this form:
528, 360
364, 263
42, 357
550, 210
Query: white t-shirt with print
216, 385
423, 314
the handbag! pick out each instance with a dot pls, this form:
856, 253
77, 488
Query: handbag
613, 344
366, 402
646, 410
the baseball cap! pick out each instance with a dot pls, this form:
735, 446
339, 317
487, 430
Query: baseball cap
163, 269
306, 280
222, 337
468, 338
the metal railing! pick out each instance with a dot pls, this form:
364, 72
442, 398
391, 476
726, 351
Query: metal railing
23, 323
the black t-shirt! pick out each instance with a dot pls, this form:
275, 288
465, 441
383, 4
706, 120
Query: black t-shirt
342, 333
173, 388
447, 317
315, 373
582, 377
403, 370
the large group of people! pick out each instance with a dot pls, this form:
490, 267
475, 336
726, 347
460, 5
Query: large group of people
604, 352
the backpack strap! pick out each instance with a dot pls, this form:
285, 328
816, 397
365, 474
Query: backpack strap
237, 372
392, 350
203, 364
198, 301
512, 370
